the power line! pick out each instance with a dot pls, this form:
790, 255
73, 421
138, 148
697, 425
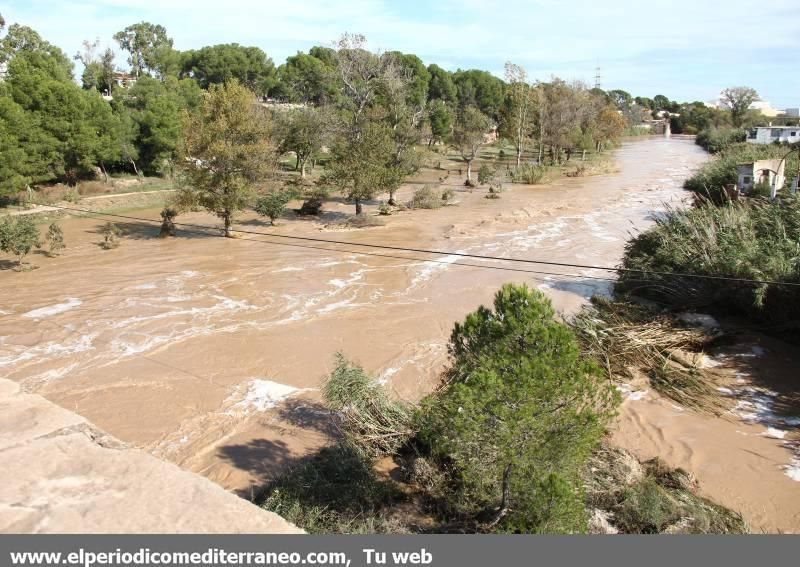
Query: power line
457, 254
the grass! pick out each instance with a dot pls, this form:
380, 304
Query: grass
756, 239
427, 197
622, 335
371, 423
651, 498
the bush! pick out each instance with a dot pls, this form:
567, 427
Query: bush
517, 415
754, 239
111, 234
272, 204
55, 236
447, 194
71, 195
709, 181
18, 236
168, 215
485, 174
384, 209
529, 174
425, 198
371, 423
715, 140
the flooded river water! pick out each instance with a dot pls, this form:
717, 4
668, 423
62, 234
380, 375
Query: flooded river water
208, 351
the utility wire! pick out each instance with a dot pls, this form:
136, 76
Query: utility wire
458, 254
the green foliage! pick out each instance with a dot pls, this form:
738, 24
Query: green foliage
716, 140
359, 165
530, 174
227, 151
480, 89
709, 181
218, 64
18, 236
384, 209
426, 197
441, 86
486, 174
55, 238
148, 47
272, 204
756, 239
518, 406
304, 132
307, 78
111, 234
372, 425
441, 121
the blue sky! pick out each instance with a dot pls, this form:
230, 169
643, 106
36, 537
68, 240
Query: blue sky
685, 49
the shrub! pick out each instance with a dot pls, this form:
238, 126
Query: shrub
529, 174
709, 181
517, 415
384, 209
111, 234
485, 174
371, 423
71, 195
755, 239
715, 140
272, 204
363, 221
447, 194
425, 197
18, 236
168, 215
55, 236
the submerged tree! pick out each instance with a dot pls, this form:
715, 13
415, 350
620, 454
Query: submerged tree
227, 151
168, 215
18, 236
55, 238
469, 135
111, 234
272, 204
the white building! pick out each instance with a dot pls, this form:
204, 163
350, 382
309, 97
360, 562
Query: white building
770, 134
762, 106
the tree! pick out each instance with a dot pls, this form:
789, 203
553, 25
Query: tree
441, 86
111, 234
738, 100
55, 237
518, 413
441, 121
468, 136
307, 79
226, 151
18, 236
303, 132
621, 99
517, 115
563, 109
358, 165
660, 102
272, 204
609, 126
217, 64
145, 44
480, 89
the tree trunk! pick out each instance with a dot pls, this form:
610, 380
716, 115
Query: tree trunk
359, 208
297, 162
105, 173
505, 498
135, 169
519, 155
541, 153
469, 171
227, 219
303, 169
391, 200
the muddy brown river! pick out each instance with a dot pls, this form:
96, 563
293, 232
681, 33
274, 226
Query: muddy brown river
208, 352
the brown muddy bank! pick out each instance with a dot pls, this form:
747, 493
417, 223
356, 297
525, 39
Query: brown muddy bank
207, 351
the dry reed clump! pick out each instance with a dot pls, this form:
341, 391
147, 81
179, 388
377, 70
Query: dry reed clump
621, 336
427, 197
371, 423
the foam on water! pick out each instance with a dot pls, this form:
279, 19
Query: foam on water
42, 312
263, 395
